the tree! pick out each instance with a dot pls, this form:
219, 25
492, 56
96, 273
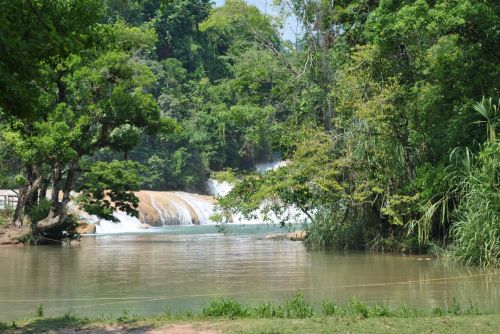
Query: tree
101, 100
36, 35
109, 186
177, 28
124, 138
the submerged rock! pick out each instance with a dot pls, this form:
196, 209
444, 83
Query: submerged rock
294, 236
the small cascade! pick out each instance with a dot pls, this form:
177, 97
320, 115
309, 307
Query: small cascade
165, 208
273, 165
222, 188
218, 188
125, 224
158, 208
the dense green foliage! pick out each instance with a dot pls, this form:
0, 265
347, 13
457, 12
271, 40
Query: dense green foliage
373, 106
476, 232
396, 84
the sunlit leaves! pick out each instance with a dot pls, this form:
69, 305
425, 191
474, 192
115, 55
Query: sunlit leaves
110, 186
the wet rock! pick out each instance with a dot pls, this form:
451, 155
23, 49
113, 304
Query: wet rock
86, 228
294, 236
297, 236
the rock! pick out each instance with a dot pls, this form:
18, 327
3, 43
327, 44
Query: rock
276, 236
297, 236
294, 236
86, 228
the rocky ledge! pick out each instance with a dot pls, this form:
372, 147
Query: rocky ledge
294, 236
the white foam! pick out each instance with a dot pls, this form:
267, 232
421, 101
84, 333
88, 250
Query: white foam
184, 204
218, 188
125, 224
273, 165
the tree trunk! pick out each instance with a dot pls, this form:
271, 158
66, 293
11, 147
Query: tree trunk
27, 195
17, 218
307, 214
410, 168
56, 189
405, 143
42, 195
59, 215
68, 186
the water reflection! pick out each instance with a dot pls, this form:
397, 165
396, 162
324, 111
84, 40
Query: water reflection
150, 273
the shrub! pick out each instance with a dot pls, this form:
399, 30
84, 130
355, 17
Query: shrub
39, 311
39, 211
225, 307
266, 310
296, 308
329, 230
3, 326
329, 308
382, 311
355, 307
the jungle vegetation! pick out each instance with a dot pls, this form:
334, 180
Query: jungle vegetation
386, 109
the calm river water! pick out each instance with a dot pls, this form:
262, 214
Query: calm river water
183, 268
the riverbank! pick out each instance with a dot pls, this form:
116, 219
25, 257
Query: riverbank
295, 316
443, 325
13, 235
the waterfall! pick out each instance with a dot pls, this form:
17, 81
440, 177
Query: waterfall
165, 208
159, 208
222, 188
273, 165
125, 224
218, 188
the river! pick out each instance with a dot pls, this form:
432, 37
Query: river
183, 267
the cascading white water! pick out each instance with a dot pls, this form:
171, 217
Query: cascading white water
125, 224
222, 188
273, 165
218, 188
204, 208
157, 208
180, 208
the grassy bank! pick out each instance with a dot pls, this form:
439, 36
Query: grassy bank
484, 324
294, 316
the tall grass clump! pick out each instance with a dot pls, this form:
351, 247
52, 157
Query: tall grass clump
39, 312
296, 308
225, 307
3, 325
476, 232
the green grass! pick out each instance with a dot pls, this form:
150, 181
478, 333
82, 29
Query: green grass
294, 316
483, 324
